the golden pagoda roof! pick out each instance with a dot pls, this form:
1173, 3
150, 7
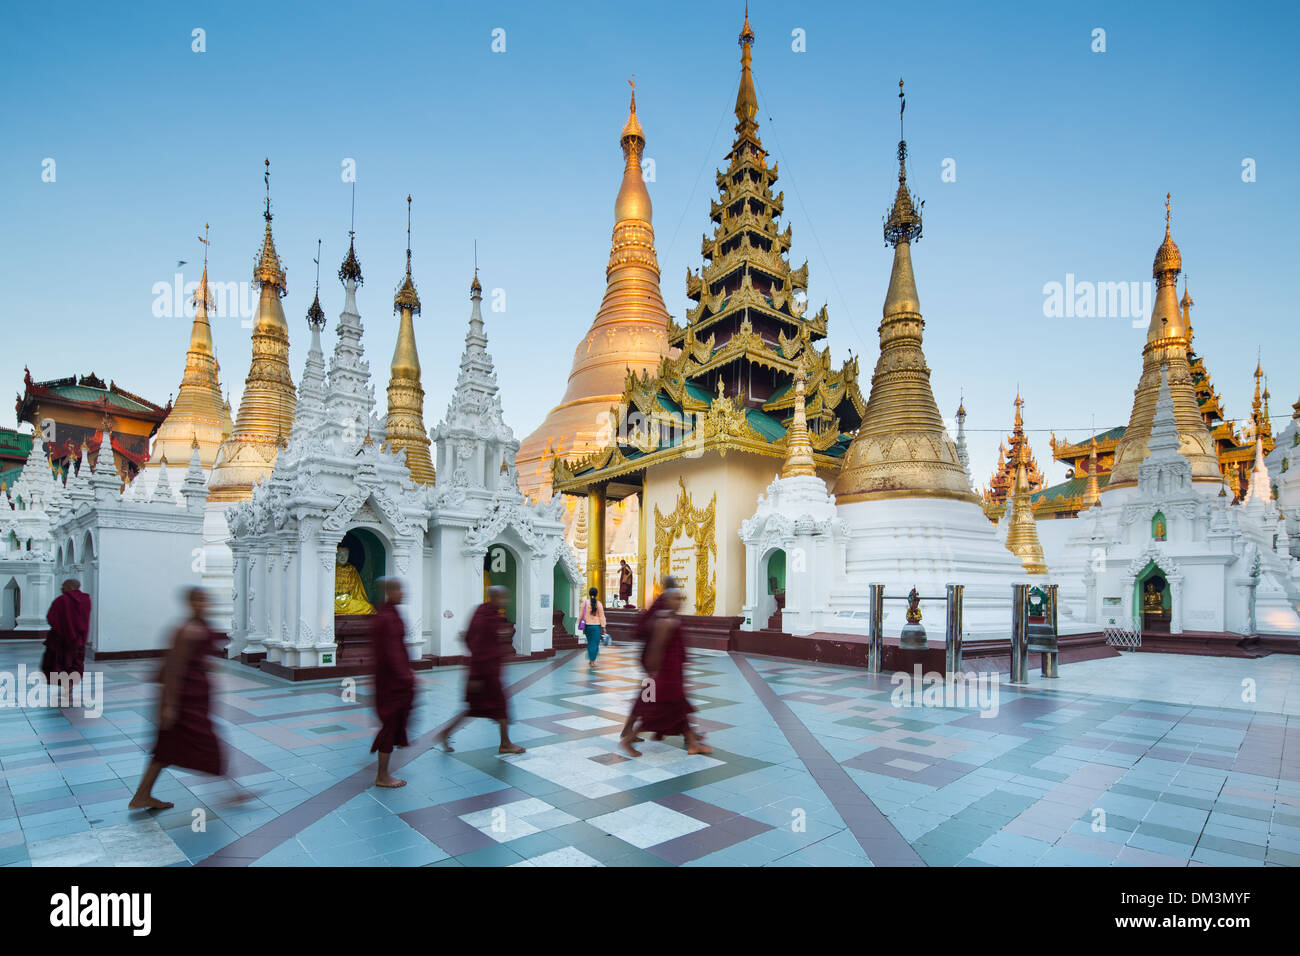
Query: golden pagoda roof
1168, 258
902, 448
747, 318
633, 200
268, 271
798, 447
629, 334
1022, 529
404, 425
266, 408
1012, 455
199, 408
1167, 346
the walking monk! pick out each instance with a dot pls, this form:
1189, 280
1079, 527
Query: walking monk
65, 647
185, 735
394, 680
488, 638
661, 707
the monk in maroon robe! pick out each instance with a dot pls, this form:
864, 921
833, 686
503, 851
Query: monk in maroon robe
488, 639
624, 581
69, 620
394, 681
661, 707
186, 737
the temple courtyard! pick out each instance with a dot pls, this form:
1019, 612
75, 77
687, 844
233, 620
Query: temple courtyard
1142, 760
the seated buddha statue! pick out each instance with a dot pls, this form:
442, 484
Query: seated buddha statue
349, 591
1151, 599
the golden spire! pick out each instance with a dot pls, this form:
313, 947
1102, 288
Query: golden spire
405, 423
902, 448
1167, 343
267, 406
268, 271
798, 447
199, 407
1022, 528
746, 99
633, 201
629, 334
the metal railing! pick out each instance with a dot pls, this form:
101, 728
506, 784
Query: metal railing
1045, 639
952, 625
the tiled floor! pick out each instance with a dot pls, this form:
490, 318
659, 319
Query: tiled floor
1144, 760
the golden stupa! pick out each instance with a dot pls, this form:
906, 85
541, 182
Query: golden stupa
630, 332
1168, 336
405, 424
266, 408
798, 444
200, 416
1022, 528
902, 448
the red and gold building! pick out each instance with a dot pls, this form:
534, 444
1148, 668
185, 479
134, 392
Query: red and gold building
72, 412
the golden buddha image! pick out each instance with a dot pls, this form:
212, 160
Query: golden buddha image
1151, 599
349, 590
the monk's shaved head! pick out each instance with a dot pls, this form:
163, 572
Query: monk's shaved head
392, 590
72, 584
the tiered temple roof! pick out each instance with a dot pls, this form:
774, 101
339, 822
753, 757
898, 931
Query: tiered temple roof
1012, 454
732, 384
81, 407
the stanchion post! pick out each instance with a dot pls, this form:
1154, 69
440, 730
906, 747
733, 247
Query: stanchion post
876, 645
1049, 660
1019, 634
952, 631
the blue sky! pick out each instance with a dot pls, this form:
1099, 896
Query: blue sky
1062, 157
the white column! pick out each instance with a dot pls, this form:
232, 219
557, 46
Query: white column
257, 613
750, 610
239, 591
408, 556
1176, 604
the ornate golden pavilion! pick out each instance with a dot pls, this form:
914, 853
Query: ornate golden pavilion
700, 439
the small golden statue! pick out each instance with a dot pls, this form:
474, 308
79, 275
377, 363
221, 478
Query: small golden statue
349, 591
913, 607
1151, 599
1160, 528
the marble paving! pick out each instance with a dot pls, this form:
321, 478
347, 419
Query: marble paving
1141, 760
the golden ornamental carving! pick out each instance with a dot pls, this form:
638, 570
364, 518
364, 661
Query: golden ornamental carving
699, 525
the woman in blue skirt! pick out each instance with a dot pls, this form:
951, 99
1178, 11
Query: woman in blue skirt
591, 622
